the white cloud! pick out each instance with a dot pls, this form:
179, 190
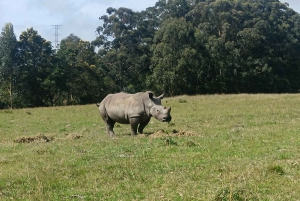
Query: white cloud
294, 4
93, 9
10, 11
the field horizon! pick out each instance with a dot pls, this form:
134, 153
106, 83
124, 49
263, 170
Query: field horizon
217, 147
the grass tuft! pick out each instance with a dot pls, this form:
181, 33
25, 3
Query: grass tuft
229, 194
276, 169
182, 101
8, 111
190, 143
169, 141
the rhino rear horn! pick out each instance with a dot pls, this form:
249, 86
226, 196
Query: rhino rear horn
161, 96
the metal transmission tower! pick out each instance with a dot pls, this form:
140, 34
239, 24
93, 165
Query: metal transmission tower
56, 41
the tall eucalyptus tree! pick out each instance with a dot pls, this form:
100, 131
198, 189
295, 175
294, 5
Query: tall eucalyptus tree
175, 61
252, 45
35, 60
124, 48
8, 67
79, 80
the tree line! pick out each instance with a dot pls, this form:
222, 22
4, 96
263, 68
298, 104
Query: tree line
176, 47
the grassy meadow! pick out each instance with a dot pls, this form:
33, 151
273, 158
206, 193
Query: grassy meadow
217, 147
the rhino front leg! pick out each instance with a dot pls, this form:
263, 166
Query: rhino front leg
142, 126
134, 122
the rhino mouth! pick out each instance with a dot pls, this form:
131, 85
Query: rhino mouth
166, 119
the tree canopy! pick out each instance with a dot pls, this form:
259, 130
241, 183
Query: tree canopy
176, 47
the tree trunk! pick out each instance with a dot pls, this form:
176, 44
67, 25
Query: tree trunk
10, 95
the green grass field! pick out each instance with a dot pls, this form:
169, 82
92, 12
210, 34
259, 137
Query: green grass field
217, 147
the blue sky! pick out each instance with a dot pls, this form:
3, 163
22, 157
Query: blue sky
80, 17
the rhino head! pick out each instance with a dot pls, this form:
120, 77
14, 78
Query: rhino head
158, 111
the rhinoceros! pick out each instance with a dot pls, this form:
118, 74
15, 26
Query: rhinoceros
134, 109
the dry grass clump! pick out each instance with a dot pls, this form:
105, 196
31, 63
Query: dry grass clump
40, 138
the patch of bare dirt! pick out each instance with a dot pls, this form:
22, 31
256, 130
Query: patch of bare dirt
40, 138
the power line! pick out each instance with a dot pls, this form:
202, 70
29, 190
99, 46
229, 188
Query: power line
56, 41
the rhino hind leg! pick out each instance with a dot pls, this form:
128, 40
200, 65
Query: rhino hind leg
108, 121
110, 127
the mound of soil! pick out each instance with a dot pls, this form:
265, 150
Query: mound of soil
159, 133
186, 134
162, 133
73, 136
40, 138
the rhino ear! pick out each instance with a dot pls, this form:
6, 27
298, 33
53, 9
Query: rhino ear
150, 94
161, 96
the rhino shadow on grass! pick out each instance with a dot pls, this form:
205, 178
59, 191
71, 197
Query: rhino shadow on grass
134, 109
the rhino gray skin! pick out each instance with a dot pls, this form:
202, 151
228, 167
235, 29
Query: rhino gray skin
134, 109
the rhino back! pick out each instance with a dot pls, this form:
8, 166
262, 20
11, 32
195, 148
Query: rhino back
121, 106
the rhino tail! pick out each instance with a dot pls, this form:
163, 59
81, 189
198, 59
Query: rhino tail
98, 104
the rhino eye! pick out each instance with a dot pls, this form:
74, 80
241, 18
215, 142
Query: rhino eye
157, 111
